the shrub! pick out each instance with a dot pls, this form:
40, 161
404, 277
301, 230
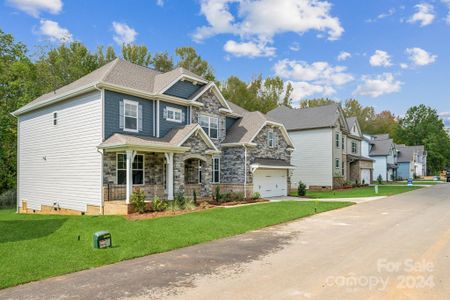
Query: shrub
159, 204
180, 200
190, 205
194, 197
238, 196
363, 182
8, 199
217, 196
227, 197
301, 190
138, 200
256, 196
379, 179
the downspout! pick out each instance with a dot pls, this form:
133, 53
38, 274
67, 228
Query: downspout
245, 172
102, 193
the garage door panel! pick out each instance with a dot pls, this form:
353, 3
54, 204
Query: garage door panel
270, 183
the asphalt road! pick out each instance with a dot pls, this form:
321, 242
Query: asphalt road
394, 248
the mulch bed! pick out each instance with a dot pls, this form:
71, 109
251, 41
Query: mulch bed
202, 206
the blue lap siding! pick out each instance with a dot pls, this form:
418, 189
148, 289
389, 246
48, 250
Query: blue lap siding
164, 125
111, 114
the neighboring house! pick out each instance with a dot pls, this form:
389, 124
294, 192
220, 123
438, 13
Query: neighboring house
383, 151
327, 149
411, 161
125, 126
359, 164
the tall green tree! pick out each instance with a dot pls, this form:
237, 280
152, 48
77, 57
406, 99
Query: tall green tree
422, 126
18, 85
137, 54
287, 99
190, 60
104, 58
315, 102
162, 62
365, 115
65, 64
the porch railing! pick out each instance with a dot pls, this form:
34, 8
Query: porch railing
115, 192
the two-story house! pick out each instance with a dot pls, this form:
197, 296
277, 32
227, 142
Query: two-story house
323, 157
125, 126
384, 152
411, 161
359, 167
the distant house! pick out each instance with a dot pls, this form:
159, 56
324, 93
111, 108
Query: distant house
412, 161
89, 144
383, 150
327, 146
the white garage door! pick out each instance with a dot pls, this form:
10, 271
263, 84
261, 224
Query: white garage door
365, 175
270, 183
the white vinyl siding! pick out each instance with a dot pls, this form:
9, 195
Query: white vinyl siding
313, 156
60, 164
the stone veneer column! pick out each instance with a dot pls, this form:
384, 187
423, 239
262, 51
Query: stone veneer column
178, 173
207, 176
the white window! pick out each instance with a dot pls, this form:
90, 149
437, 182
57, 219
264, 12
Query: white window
338, 163
270, 138
55, 118
210, 125
337, 140
216, 170
354, 147
174, 114
137, 169
131, 115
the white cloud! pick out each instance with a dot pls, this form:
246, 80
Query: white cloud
375, 86
124, 34
54, 32
160, 2
380, 59
294, 47
404, 66
316, 78
249, 49
261, 20
383, 15
420, 57
35, 7
343, 56
424, 14
447, 19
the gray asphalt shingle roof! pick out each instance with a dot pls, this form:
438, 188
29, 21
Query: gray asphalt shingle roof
406, 153
306, 118
121, 73
245, 128
381, 147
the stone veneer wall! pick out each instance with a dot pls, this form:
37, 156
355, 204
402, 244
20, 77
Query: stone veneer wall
198, 146
262, 150
153, 175
211, 108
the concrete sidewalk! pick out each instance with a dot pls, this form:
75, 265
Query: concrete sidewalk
355, 200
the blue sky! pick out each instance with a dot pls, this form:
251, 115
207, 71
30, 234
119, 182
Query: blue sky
389, 54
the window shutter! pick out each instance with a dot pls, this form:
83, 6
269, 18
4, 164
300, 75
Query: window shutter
183, 117
140, 118
165, 113
121, 115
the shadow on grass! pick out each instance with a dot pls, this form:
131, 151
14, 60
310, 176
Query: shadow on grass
22, 230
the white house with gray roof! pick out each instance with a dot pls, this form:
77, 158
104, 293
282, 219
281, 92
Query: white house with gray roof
327, 146
85, 147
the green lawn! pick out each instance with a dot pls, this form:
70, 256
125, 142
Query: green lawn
36, 246
415, 182
383, 190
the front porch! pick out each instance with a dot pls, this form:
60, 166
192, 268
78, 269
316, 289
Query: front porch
179, 163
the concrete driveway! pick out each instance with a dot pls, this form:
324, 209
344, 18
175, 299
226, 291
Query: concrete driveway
393, 248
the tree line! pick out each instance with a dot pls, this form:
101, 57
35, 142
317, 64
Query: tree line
24, 77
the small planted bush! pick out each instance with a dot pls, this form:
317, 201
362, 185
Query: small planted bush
194, 197
301, 190
256, 196
180, 200
159, 204
190, 205
138, 200
379, 179
217, 196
